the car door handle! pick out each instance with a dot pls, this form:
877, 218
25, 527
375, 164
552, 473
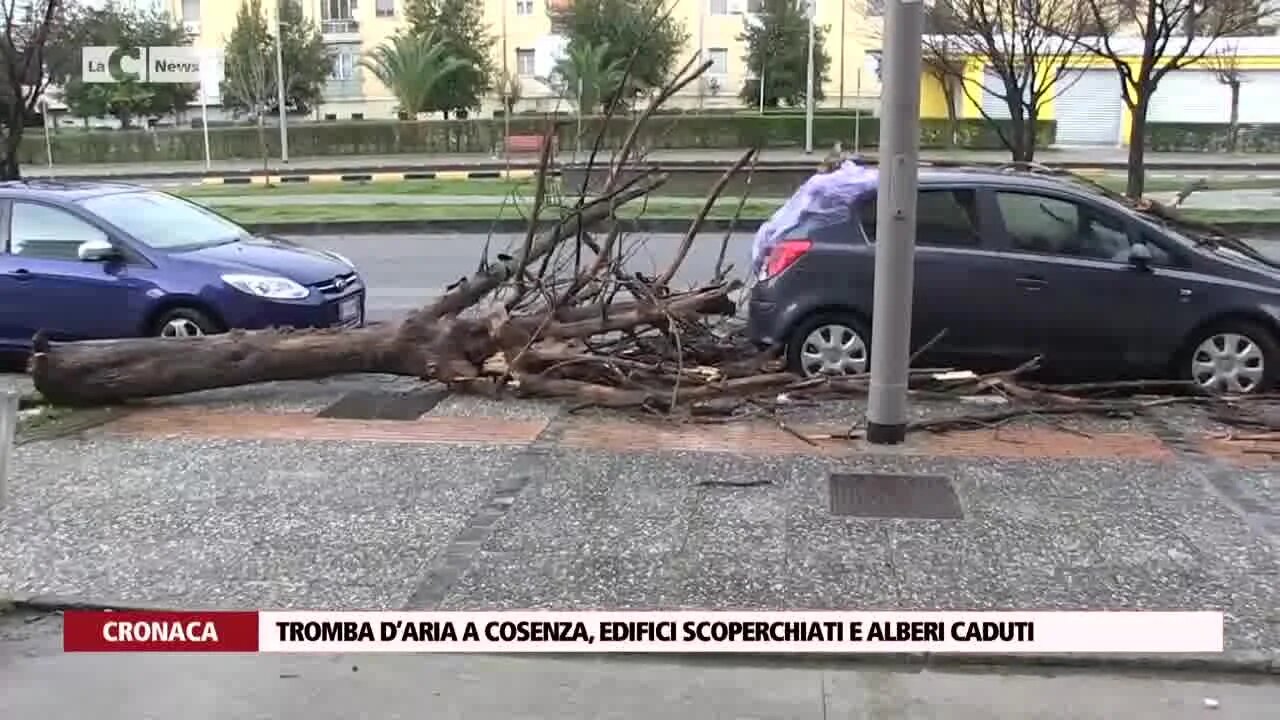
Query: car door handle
21, 274
1031, 283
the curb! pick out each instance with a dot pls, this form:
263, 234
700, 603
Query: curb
480, 227
366, 176
516, 225
77, 422
718, 166
1231, 662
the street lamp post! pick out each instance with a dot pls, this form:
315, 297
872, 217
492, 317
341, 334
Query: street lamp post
811, 8
280, 83
755, 22
895, 224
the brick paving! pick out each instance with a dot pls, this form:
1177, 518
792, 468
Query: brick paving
739, 438
764, 439
186, 423
1242, 450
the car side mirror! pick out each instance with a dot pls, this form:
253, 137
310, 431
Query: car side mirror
97, 251
1140, 256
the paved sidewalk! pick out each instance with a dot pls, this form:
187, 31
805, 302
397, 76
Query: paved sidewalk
1098, 156
452, 687
245, 499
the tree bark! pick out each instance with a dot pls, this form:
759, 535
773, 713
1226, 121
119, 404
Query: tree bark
9, 168
1137, 176
107, 372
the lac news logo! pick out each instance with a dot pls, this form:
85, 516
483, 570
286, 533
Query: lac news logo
105, 64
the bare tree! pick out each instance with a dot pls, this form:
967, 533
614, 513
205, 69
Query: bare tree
30, 54
1025, 46
1166, 35
1225, 62
944, 62
252, 79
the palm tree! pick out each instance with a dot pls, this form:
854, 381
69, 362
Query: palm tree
586, 76
412, 66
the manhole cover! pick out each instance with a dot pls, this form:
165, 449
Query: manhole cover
373, 405
882, 495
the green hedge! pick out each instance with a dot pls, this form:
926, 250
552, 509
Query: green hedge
1211, 137
371, 137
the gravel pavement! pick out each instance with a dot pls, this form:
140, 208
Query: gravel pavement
452, 687
581, 512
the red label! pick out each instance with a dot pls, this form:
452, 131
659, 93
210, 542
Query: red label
108, 631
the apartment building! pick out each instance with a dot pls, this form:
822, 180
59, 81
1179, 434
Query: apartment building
526, 47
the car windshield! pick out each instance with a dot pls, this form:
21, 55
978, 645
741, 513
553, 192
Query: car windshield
164, 222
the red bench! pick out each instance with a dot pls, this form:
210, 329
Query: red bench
526, 143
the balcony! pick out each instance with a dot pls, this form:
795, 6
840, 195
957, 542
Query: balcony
340, 30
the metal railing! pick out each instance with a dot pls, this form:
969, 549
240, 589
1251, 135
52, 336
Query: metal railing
345, 26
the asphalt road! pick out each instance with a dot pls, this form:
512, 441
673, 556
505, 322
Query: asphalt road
404, 271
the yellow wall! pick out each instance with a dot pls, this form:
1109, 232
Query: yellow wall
514, 32
932, 105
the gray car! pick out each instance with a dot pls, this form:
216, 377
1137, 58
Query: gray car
1017, 265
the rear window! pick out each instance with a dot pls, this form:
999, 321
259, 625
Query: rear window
944, 218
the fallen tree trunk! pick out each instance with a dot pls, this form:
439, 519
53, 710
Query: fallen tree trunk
112, 371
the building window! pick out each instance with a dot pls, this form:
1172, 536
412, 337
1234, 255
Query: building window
875, 8
755, 7
719, 7
337, 9
344, 66
719, 61
524, 63
524, 7
191, 10
384, 8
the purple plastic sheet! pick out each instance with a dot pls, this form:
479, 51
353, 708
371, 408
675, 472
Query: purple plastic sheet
824, 200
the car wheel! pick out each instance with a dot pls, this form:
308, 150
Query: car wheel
185, 322
1236, 358
830, 344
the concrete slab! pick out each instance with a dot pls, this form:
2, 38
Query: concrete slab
449, 687
236, 525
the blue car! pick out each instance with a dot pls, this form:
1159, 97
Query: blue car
88, 261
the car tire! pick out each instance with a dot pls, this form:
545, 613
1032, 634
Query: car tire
842, 336
1248, 345
185, 322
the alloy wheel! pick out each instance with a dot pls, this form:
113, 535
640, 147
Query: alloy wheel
180, 327
834, 350
1228, 362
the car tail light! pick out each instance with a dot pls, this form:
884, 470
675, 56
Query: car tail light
784, 255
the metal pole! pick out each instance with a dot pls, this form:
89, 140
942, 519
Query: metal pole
895, 224
762, 85
48, 142
204, 113
843, 5
582, 108
857, 116
810, 10
8, 429
507, 105
280, 83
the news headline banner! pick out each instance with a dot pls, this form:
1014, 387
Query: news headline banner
645, 632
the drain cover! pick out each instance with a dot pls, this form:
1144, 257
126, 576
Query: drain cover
374, 405
881, 495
